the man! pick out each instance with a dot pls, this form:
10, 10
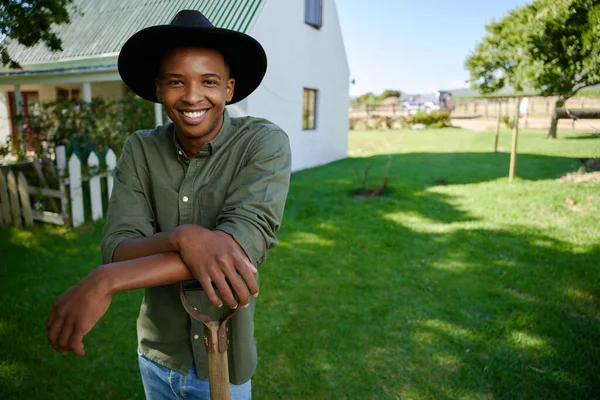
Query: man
200, 197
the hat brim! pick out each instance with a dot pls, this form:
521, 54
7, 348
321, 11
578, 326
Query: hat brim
140, 58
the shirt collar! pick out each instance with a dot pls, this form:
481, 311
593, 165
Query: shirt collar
210, 147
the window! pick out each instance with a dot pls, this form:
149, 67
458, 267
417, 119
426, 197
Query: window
309, 116
313, 12
63, 94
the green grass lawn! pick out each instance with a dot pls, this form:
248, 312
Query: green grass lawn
474, 289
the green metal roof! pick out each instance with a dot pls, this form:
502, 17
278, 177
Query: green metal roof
106, 24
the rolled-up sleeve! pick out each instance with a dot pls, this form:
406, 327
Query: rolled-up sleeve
255, 200
129, 212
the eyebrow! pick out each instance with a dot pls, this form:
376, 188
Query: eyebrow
211, 75
207, 75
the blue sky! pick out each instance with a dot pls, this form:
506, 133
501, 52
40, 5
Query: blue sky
414, 46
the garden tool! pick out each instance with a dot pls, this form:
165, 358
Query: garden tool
215, 341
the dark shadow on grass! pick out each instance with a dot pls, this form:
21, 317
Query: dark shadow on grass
587, 136
420, 170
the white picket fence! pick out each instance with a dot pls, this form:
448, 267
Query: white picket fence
15, 206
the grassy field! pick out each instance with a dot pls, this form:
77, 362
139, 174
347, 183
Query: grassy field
455, 285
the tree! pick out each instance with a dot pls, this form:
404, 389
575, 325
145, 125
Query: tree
549, 46
30, 22
390, 93
371, 98
367, 98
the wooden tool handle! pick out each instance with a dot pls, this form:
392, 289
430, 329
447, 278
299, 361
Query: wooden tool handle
218, 368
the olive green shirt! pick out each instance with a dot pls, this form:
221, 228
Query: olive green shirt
238, 183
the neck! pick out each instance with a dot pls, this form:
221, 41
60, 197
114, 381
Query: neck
192, 145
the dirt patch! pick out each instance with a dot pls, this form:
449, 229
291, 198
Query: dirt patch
581, 176
570, 203
367, 194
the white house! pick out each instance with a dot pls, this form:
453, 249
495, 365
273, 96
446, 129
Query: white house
305, 90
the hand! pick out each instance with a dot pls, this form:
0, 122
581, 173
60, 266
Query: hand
75, 313
215, 257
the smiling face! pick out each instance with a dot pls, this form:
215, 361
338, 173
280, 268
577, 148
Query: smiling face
193, 86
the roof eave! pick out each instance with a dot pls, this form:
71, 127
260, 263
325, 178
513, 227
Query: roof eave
103, 73
89, 69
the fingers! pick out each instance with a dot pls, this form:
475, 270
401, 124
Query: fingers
240, 274
225, 292
65, 333
209, 291
239, 288
247, 271
76, 342
54, 330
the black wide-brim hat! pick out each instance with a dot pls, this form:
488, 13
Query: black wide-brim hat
140, 58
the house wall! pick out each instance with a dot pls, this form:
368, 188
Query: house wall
301, 56
112, 90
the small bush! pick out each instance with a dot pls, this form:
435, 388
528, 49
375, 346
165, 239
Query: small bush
508, 122
354, 122
439, 119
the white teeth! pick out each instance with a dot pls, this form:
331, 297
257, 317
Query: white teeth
195, 114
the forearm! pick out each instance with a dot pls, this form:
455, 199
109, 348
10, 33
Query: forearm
144, 272
132, 248
158, 243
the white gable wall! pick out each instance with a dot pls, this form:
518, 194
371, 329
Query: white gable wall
301, 56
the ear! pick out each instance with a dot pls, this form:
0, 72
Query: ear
158, 92
230, 89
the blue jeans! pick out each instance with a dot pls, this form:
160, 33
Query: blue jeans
161, 383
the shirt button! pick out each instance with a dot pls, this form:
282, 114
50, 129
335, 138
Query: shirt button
185, 199
196, 337
180, 152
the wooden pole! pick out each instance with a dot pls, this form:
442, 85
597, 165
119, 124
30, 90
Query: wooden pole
24, 197
4, 202
498, 125
13, 194
513, 151
218, 367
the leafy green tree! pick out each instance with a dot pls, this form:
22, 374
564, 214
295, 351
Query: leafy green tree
389, 93
372, 98
549, 46
30, 22
367, 98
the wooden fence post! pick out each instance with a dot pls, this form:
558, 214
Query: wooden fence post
14, 199
111, 163
4, 202
75, 190
513, 152
24, 197
95, 192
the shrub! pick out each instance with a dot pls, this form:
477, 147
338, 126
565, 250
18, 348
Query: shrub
438, 119
508, 122
82, 128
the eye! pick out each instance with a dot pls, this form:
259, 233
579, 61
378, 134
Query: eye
174, 82
211, 82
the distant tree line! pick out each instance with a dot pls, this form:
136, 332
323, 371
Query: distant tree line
371, 98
